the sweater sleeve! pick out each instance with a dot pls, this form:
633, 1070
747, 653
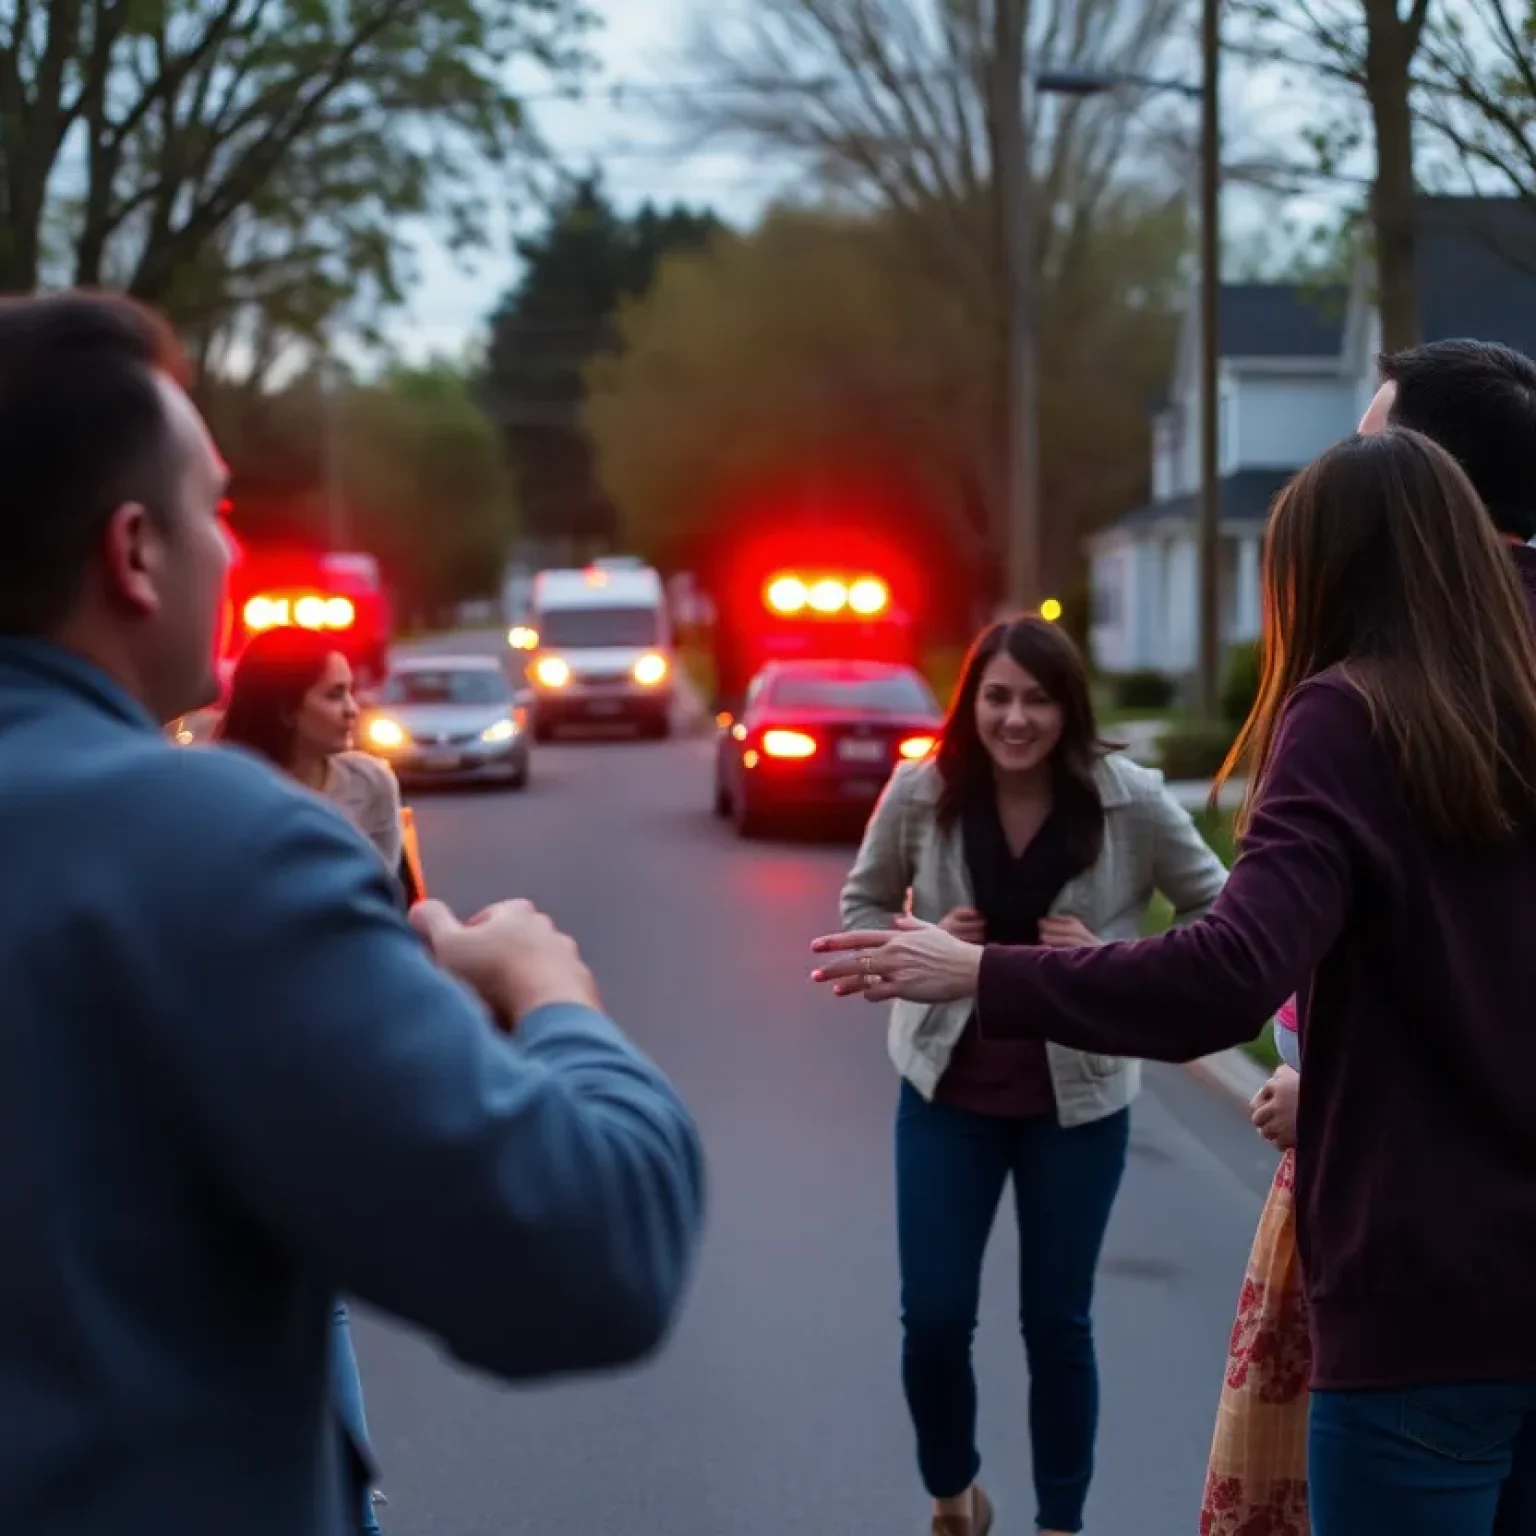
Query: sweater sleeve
1215, 982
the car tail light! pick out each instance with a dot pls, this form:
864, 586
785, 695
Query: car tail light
790, 744
914, 748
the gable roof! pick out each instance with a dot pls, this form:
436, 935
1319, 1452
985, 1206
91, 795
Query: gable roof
1282, 319
1476, 261
1246, 497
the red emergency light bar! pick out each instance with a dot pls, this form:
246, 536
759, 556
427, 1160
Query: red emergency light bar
302, 610
791, 594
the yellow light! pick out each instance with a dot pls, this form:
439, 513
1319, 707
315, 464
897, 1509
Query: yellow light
502, 730
309, 613
650, 670
749, 758
1050, 610
724, 719
915, 748
868, 596
597, 578
786, 594
339, 613
789, 744
184, 737
521, 638
384, 732
266, 612
828, 596
551, 672
738, 733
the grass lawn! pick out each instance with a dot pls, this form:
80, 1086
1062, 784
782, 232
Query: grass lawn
1216, 827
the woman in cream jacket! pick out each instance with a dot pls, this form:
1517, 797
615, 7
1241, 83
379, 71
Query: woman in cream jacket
1022, 829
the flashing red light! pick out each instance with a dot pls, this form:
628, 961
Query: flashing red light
307, 610
915, 748
790, 593
789, 744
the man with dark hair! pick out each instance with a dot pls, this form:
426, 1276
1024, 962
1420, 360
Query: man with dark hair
1477, 399
234, 1083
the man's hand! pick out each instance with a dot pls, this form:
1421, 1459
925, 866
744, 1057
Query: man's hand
966, 924
1273, 1109
1067, 933
511, 954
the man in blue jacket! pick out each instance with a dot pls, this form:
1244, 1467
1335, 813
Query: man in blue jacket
233, 1081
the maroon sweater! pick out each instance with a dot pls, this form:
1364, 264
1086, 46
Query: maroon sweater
1416, 1142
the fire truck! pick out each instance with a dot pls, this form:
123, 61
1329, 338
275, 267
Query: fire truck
812, 598
339, 594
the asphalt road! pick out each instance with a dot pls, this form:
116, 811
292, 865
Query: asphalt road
776, 1409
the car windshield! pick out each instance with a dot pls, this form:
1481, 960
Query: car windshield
899, 693
446, 685
592, 628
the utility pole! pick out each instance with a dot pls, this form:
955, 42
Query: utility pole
330, 427
1013, 174
1208, 668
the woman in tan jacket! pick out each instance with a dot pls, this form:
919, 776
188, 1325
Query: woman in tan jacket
1023, 829
291, 702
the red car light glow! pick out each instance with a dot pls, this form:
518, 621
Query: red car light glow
789, 744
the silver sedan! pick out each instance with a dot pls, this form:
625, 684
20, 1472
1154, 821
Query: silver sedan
448, 719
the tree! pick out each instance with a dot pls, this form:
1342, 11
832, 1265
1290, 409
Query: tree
899, 107
1371, 47
578, 270
821, 352
266, 152
419, 478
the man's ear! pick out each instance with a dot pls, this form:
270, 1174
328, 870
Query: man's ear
133, 558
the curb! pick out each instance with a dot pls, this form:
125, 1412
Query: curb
1233, 1073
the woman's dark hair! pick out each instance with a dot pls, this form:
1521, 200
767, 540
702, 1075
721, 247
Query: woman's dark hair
965, 765
1381, 562
274, 672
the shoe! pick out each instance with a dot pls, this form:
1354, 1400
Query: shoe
977, 1523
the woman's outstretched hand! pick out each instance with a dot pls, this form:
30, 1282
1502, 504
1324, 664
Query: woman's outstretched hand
917, 962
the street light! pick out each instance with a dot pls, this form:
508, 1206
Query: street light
1071, 82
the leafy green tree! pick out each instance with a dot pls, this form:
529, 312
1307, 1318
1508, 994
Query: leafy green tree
262, 153
578, 270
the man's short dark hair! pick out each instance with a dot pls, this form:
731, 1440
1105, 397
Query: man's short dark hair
1477, 399
82, 430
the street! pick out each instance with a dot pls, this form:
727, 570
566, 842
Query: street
776, 1410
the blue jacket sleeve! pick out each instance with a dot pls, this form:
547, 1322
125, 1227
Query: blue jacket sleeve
535, 1201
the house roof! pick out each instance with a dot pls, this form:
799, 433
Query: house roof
1246, 496
1476, 260
1282, 319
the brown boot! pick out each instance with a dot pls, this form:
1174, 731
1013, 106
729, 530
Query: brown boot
977, 1523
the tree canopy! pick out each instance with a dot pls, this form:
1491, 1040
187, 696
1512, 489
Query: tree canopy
577, 271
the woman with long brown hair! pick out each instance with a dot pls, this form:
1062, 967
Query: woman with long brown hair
1023, 828
1388, 875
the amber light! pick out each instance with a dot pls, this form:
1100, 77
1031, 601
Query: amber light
916, 747
787, 594
788, 744
310, 611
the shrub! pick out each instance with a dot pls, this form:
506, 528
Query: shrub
1193, 750
1144, 690
1241, 685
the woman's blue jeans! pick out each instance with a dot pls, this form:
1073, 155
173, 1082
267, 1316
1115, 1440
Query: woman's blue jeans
1428, 1461
951, 1167
347, 1391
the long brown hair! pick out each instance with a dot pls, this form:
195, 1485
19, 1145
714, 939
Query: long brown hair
965, 766
1381, 562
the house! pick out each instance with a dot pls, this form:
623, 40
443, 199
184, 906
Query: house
1297, 370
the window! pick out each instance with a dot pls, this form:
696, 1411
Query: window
898, 694
1226, 430
446, 685
593, 628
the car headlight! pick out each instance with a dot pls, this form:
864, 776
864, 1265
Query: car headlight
502, 730
650, 670
386, 733
551, 672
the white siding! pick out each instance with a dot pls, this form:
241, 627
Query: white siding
1112, 576
1282, 422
